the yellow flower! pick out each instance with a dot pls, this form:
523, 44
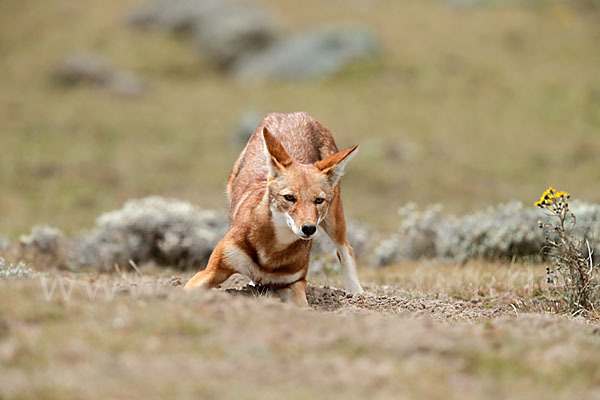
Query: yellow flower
553, 200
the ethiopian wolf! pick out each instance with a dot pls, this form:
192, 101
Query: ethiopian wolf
283, 186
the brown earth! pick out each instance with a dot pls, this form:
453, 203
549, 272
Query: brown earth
142, 337
325, 298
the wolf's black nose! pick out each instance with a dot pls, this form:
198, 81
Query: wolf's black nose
309, 229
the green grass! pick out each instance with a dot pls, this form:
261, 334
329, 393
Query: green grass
468, 107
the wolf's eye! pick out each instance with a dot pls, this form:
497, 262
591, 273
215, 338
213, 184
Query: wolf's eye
289, 198
319, 200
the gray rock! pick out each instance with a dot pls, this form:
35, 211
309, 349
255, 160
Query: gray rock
85, 68
232, 32
221, 30
321, 52
78, 67
172, 15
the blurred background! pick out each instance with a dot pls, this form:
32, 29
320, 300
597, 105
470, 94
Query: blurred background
463, 102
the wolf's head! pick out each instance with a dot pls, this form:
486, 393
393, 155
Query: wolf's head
299, 193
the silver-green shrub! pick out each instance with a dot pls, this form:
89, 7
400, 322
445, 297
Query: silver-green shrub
11, 271
165, 231
507, 231
44, 239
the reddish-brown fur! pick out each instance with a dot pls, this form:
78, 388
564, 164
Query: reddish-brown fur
288, 173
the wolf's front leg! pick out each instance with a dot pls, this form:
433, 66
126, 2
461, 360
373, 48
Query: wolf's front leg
346, 256
217, 271
295, 293
335, 227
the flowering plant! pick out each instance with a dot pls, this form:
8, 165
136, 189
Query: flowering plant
574, 277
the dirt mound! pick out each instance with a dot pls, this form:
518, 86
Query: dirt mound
331, 299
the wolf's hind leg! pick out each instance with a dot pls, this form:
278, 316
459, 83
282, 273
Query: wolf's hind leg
207, 279
335, 227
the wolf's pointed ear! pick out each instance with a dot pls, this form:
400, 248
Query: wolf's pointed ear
278, 158
333, 166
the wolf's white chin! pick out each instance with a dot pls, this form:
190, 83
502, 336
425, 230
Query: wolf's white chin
307, 238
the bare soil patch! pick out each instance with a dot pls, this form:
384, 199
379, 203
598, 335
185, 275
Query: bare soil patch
332, 299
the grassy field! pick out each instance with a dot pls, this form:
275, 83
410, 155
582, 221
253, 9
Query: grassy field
465, 106
435, 332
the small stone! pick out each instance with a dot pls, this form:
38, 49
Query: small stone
79, 68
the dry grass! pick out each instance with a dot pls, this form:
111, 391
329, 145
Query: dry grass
152, 340
466, 106
510, 288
